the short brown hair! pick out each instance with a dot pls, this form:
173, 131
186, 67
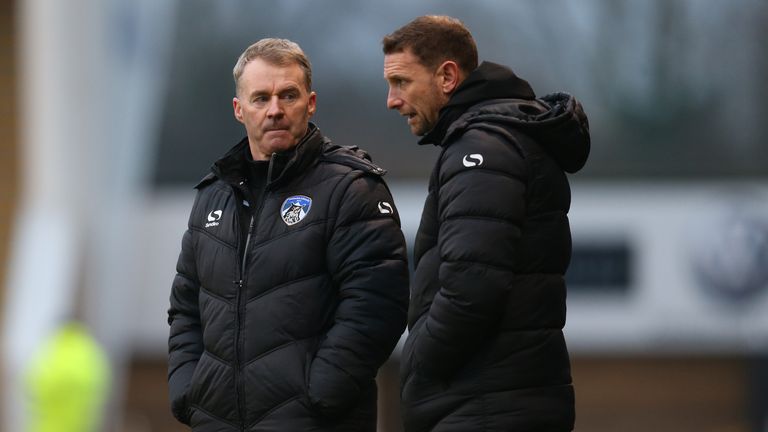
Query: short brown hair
434, 39
280, 52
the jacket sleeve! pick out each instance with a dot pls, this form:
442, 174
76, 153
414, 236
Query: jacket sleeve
185, 343
367, 258
481, 208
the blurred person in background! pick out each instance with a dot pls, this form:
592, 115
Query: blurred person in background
68, 382
485, 348
292, 283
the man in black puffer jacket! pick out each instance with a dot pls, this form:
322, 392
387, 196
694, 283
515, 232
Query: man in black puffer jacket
485, 349
292, 283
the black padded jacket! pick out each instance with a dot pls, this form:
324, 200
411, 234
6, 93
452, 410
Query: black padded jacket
282, 323
485, 350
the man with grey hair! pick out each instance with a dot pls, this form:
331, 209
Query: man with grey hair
292, 282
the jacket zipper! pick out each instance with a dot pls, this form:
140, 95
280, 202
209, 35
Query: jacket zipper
240, 315
240, 390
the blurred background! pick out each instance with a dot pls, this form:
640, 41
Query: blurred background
113, 109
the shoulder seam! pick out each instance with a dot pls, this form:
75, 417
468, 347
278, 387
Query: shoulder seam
355, 164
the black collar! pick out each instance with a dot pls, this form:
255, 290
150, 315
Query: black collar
488, 81
233, 166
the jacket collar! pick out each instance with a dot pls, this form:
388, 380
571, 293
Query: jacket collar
232, 167
488, 81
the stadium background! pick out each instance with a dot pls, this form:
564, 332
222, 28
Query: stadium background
111, 109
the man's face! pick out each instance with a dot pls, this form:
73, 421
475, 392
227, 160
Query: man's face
414, 91
274, 105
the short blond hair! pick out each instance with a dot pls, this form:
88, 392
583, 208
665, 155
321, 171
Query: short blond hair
279, 52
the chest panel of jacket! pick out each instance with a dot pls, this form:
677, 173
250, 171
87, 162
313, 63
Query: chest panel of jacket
298, 250
545, 242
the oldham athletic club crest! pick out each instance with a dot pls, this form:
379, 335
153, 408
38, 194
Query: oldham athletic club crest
295, 209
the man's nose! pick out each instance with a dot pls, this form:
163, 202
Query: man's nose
393, 100
274, 108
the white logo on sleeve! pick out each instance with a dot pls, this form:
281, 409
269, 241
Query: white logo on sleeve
385, 207
213, 218
472, 160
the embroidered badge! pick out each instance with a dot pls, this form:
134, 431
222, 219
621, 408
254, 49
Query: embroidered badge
295, 208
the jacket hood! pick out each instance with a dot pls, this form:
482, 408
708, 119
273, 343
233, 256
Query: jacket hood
556, 121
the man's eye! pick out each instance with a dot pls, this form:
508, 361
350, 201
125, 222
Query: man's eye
260, 99
290, 96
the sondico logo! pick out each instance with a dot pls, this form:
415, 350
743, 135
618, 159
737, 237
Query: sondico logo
385, 207
213, 218
472, 160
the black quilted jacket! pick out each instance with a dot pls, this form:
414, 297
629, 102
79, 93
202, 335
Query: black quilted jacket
485, 351
283, 325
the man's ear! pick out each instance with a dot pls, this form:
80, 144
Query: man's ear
312, 103
238, 110
449, 76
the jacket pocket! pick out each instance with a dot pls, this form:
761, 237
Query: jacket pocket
180, 409
307, 364
193, 390
179, 387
